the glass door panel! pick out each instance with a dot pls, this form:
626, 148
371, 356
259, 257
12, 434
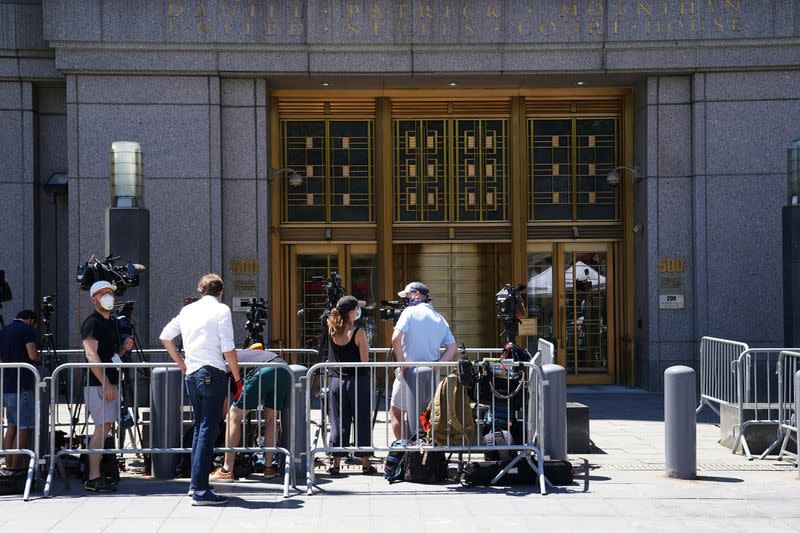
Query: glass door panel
357, 266
585, 316
364, 286
310, 301
541, 296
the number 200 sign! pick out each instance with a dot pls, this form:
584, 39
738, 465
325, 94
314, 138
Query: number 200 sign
677, 264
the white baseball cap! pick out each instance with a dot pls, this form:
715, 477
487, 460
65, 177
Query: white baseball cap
414, 286
100, 285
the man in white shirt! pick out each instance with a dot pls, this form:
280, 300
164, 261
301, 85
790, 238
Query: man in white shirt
419, 333
207, 332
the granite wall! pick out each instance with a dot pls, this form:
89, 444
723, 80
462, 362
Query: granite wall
711, 149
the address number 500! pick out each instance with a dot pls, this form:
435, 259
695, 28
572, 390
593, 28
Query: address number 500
672, 265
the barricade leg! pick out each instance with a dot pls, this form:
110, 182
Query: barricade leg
680, 423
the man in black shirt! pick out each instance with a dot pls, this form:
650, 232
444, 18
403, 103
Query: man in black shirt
18, 345
100, 344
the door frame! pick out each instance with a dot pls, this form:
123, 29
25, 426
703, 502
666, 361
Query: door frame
343, 253
558, 249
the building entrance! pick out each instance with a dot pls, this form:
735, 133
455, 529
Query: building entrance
464, 191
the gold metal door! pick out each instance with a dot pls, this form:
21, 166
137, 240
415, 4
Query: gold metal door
308, 266
571, 296
463, 279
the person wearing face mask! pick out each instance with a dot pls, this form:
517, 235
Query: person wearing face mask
418, 334
101, 344
350, 389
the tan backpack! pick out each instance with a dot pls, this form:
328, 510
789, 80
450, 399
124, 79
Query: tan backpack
452, 417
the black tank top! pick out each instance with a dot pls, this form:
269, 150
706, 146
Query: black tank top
347, 353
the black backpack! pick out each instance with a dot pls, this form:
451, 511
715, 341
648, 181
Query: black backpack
423, 467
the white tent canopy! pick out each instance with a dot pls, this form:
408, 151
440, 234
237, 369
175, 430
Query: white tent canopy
542, 283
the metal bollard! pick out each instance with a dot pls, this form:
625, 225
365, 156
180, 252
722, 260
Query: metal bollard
554, 444
166, 419
298, 426
797, 413
680, 422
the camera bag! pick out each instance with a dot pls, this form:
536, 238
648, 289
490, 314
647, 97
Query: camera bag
424, 467
558, 472
481, 473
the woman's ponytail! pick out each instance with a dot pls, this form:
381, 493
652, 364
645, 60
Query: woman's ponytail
335, 323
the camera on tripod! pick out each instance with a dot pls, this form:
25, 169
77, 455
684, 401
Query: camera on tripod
332, 290
110, 269
48, 307
393, 309
511, 303
256, 315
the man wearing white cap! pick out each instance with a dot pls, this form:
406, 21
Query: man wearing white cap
100, 344
418, 334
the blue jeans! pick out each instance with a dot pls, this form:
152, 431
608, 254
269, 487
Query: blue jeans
207, 388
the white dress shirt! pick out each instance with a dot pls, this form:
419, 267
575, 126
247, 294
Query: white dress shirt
207, 332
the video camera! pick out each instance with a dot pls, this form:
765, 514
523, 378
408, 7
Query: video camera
48, 307
256, 315
332, 290
393, 309
122, 275
512, 308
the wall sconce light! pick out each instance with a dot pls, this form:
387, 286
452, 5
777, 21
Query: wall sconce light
295, 180
637, 228
614, 177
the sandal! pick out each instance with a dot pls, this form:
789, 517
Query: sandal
368, 470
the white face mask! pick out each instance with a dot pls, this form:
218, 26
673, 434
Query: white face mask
358, 313
107, 302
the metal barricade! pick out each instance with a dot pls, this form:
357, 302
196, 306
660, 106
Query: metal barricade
718, 380
22, 404
788, 364
124, 414
547, 351
359, 380
298, 356
757, 392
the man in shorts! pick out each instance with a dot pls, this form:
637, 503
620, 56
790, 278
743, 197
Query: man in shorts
265, 387
18, 345
419, 333
101, 395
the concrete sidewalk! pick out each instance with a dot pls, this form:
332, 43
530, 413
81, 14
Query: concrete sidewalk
619, 487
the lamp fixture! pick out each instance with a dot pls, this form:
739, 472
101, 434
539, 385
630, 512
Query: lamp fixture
614, 178
294, 179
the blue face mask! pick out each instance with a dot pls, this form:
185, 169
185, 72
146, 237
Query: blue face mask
358, 313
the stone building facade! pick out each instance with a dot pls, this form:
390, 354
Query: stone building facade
702, 98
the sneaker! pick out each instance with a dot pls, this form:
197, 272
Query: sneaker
270, 473
220, 475
190, 493
99, 485
209, 498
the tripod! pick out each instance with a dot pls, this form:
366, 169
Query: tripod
50, 360
126, 325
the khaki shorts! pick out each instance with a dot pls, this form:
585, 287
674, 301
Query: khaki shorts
403, 394
101, 411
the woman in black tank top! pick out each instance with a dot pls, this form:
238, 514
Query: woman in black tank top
350, 391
